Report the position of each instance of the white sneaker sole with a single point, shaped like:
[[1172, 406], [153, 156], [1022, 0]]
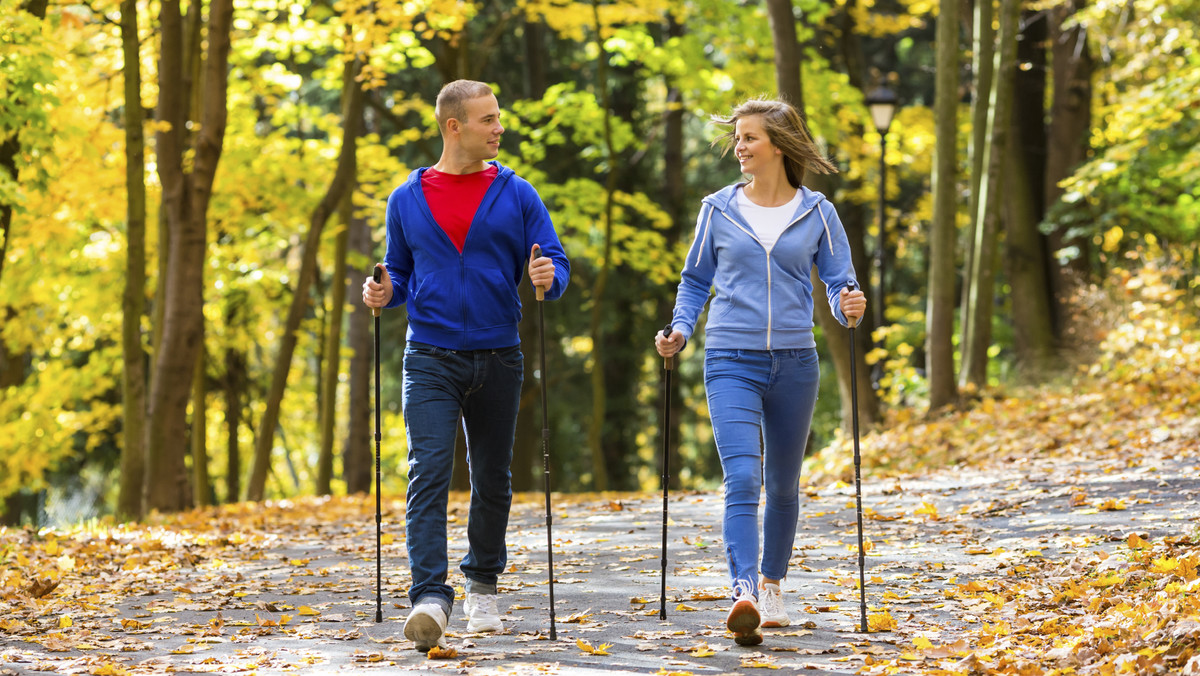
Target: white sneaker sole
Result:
[[423, 630], [484, 626]]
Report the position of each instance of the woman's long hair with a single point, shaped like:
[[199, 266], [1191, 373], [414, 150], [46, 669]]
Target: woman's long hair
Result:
[[786, 130]]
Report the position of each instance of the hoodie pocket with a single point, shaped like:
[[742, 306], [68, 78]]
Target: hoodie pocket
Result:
[[491, 299], [437, 300]]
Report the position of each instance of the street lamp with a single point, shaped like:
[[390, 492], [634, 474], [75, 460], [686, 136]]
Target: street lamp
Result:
[[882, 104]]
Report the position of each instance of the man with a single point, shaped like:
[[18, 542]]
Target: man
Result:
[[459, 234]]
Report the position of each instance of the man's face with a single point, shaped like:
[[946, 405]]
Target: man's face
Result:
[[480, 130]]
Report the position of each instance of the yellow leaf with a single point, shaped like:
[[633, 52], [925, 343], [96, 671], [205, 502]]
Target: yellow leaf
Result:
[[307, 611], [589, 649], [439, 653], [578, 617], [1135, 541], [922, 643], [1109, 580], [758, 664], [1113, 505], [702, 652], [881, 622], [1164, 565], [928, 509], [685, 608], [65, 622]]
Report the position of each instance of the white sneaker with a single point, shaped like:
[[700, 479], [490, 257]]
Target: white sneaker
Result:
[[743, 619], [770, 606], [425, 626], [482, 615]]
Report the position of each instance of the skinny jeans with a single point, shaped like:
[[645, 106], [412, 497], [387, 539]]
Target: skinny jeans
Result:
[[770, 393], [482, 388]]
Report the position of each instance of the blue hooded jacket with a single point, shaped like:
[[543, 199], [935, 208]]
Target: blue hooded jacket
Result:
[[468, 300], [763, 300]]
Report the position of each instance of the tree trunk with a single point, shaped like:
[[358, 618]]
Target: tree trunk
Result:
[[787, 52], [235, 378], [337, 295], [1070, 124], [597, 328], [342, 179], [983, 50], [185, 200], [358, 456], [200, 479], [993, 114], [1025, 257], [133, 301], [939, 346]]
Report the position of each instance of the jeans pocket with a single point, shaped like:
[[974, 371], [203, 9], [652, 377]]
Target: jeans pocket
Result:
[[713, 355], [512, 357], [426, 350]]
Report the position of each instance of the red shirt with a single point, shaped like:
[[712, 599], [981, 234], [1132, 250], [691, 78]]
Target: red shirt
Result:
[[454, 199]]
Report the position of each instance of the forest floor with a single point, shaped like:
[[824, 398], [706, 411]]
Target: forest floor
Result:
[[1050, 531], [1061, 562]]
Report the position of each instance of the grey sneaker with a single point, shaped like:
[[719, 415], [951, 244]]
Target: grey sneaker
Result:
[[770, 606], [425, 626], [482, 615]]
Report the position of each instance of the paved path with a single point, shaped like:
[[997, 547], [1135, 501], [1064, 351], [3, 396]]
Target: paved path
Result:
[[927, 535]]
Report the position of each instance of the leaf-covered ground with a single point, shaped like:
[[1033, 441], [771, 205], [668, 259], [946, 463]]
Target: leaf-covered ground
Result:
[[1053, 531]]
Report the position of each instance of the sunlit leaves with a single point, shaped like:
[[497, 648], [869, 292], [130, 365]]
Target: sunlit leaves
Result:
[[601, 649]]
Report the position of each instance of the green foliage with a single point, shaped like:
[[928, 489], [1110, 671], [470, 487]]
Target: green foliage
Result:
[[1145, 166], [27, 97]]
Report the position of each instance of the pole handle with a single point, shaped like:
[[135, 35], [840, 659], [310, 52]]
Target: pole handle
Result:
[[668, 362], [851, 321], [539, 291], [377, 277]]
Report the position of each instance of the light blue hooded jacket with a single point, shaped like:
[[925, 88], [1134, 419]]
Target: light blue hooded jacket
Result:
[[764, 301]]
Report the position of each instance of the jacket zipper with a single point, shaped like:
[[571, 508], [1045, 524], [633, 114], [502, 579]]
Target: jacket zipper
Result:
[[770, 294]]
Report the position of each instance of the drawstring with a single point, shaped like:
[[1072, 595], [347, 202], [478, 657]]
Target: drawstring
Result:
[[704, 236], [827, 235]]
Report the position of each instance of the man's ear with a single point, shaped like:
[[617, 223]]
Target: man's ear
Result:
[[453, 125]]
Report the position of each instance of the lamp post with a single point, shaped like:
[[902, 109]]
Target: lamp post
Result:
[[882, 104]]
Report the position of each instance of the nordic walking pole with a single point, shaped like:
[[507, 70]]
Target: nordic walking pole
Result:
[[541, 299], [668, 365], [377, 275], [862, 582]]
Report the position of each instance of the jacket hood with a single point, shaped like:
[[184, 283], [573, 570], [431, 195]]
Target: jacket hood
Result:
[[414, 177], [725, 199]]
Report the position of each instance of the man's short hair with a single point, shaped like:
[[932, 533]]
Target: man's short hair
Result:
[[451, 101]]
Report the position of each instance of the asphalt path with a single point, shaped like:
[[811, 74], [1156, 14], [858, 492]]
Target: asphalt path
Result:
[[926, 535]]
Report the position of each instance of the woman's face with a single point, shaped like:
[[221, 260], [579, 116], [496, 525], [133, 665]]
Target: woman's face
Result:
[[755, 152]]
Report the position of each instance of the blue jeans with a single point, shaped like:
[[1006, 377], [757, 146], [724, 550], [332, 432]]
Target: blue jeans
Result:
[[772, 393], [483, 388]]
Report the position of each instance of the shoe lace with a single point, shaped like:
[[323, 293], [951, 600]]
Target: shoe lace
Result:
[[743, 589], [771, 601], [485, 604]]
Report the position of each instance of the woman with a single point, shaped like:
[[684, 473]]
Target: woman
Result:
[[755, 244]]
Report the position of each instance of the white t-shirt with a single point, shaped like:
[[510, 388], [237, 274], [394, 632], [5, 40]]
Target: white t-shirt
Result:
[[768, 222]]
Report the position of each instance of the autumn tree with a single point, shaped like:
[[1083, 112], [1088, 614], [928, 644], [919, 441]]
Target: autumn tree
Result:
[[940, 313], [186, 196]]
